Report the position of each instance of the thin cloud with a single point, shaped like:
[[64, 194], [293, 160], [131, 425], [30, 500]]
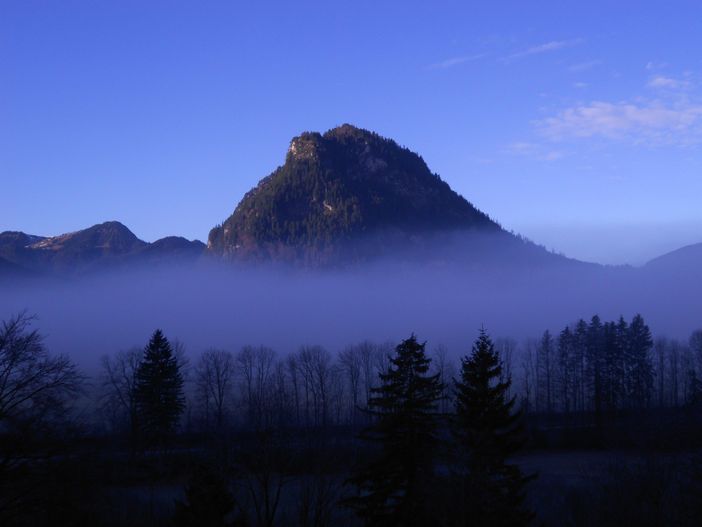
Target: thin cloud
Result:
[[655, 122], [651, 65], [546, 47], [455, 61], [535, 151], [584, 66], [659, 81]]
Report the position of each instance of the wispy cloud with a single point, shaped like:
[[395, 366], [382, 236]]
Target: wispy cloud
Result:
[[584, 66], [659, 81], [651, 65], [653, 122], [455, 61], [546, 47], [535, 151]]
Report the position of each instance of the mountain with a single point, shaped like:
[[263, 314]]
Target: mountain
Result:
[[98, 247], [346, 194], [344, 197], [171, 248], [688, 258]]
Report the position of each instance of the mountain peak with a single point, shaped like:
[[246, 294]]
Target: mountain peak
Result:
[[306, 146], [336, 189], [98, 247], [347, 130], [110, 236], [311, 145]]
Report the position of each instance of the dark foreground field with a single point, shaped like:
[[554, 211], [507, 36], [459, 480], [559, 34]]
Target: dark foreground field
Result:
[[584, 477]]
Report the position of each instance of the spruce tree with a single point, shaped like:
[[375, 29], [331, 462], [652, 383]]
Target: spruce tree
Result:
[[619, 366], [158, 390], [487, 431], [580, 338], [567, 368], [544, 369], [594, 360], [392, 489], [640, 378], [610, 373]]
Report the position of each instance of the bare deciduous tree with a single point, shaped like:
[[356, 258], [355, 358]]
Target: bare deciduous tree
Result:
[[283, 403], [369, 376], [255, 368], [293, 370], [315, 364], [530, 375], [442, 365], [35, 388], [34, 384], [350, 362], [118, 380], [214, 379]]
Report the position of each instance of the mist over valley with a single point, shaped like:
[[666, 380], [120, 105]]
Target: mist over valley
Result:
[[352, 239]]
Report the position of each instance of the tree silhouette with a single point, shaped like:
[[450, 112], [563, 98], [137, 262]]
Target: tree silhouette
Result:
[[640, 375], [545, 367], [214, 377], [595, 367], [118, 379], [392, 489], [159, 390], [36, 389], [487, 431]]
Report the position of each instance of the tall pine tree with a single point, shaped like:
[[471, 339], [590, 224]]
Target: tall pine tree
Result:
[[594, 358], [640, 375], [487, 431], [544, 371], [158, 391], [580, 360], [392, 489], [567, 369]]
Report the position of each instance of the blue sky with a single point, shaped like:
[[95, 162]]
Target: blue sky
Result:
[[577, 124]]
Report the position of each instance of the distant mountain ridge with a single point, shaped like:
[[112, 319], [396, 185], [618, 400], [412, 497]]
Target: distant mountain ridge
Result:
[[98, 247], [341, 198], [685, 258], [345, 194]]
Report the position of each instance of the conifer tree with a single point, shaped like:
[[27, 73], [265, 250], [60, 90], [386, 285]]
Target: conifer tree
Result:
[[392, 489], [487, 431], [594, 359], [580, 359], [610, 374], [567, 368], [544, 368], [619, 366], [159, 390], [640, 343]]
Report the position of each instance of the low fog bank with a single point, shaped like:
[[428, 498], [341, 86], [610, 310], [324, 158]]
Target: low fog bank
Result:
[[214, 306]]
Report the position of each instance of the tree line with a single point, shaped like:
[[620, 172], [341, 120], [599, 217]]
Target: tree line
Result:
[[605, 367], [393, 434]]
